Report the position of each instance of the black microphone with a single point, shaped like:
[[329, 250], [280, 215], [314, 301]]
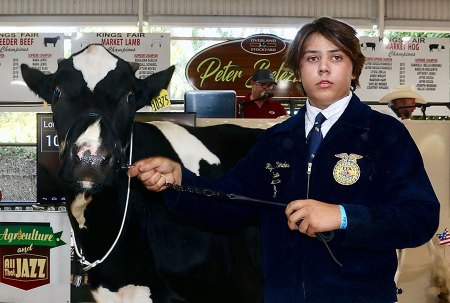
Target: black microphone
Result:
[[422, 105], [396, 110], [242, 104], [392, 106], [264, 96]]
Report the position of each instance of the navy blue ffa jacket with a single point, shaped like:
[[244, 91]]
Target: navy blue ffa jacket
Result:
[[368, 163]]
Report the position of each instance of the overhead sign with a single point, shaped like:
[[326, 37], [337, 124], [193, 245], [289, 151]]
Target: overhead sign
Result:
[[229, 65], [37, 50], [422, 62], [151, 51]]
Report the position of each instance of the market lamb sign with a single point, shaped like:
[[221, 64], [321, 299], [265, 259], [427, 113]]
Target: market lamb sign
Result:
[[230, 65]]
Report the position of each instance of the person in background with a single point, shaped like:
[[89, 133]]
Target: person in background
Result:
[[349, 184], [403, 100], [258, 103]]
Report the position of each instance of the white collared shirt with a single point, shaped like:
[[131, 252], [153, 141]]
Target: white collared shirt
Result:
[[332, 113]]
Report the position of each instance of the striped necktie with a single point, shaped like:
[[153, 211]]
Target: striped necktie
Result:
[[315, 137]]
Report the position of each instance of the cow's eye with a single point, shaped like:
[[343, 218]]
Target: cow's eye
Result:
[[57, 93], [130, 97]]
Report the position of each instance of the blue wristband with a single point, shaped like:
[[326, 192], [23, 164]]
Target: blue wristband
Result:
[[344, 218]]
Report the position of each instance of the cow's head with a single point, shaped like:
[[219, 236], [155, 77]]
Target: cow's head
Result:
[[94, 96]]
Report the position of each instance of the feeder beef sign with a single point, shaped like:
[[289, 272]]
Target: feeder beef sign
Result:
[[38, 50], [231, 64]]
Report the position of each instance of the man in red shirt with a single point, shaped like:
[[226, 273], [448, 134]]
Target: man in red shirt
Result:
[[262, 83]]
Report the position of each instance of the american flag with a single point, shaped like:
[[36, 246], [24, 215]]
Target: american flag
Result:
[[444, 238]]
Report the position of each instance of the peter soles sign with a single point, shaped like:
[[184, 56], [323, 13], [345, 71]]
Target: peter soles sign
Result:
[[231, 64], [34, 257]]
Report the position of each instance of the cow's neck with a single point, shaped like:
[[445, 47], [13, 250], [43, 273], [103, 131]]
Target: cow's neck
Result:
[[101, 215]]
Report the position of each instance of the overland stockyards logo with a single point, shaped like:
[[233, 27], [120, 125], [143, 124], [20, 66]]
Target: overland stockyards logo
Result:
[[25, 254], [263, 45]]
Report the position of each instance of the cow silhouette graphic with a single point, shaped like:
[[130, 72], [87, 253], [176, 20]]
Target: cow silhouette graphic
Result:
[[51, 40], [371, 45], [436, 46]]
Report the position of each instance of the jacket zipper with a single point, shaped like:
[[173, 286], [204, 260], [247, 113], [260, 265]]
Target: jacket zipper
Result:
[[308, 172]]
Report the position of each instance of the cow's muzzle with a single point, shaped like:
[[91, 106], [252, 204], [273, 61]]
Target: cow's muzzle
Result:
[[92, 154]]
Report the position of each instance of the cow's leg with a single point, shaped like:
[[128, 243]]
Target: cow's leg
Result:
[[126, 294]]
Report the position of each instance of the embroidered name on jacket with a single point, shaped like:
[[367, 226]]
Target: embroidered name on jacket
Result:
[[276, 178], [346, 171]]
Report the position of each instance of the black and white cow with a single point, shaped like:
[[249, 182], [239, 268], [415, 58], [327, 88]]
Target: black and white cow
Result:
[[159, 256]]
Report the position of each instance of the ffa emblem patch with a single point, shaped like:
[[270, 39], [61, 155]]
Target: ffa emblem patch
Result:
[[346, 171]]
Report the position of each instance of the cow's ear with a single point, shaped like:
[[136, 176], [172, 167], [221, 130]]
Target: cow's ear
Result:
[[134, 66], [153, 84], [38, 82]]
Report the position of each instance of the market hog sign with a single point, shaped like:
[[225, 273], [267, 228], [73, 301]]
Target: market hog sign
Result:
[[25, 253], [231, 64]]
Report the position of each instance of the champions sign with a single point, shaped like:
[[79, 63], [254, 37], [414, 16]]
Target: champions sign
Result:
[[25, 254], [230, 65]]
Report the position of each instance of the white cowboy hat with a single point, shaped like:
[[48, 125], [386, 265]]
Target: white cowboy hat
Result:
[[403, 91]]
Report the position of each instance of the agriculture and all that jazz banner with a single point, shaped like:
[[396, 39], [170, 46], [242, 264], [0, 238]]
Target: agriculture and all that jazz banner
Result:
[[34, 257]]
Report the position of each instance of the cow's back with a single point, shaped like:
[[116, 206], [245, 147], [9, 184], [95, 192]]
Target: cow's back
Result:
[[196, 262]]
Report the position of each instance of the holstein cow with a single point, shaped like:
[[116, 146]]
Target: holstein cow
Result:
[[159, 256]]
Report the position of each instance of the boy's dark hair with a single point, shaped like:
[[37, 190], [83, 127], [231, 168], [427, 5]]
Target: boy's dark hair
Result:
[[337, 32]]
